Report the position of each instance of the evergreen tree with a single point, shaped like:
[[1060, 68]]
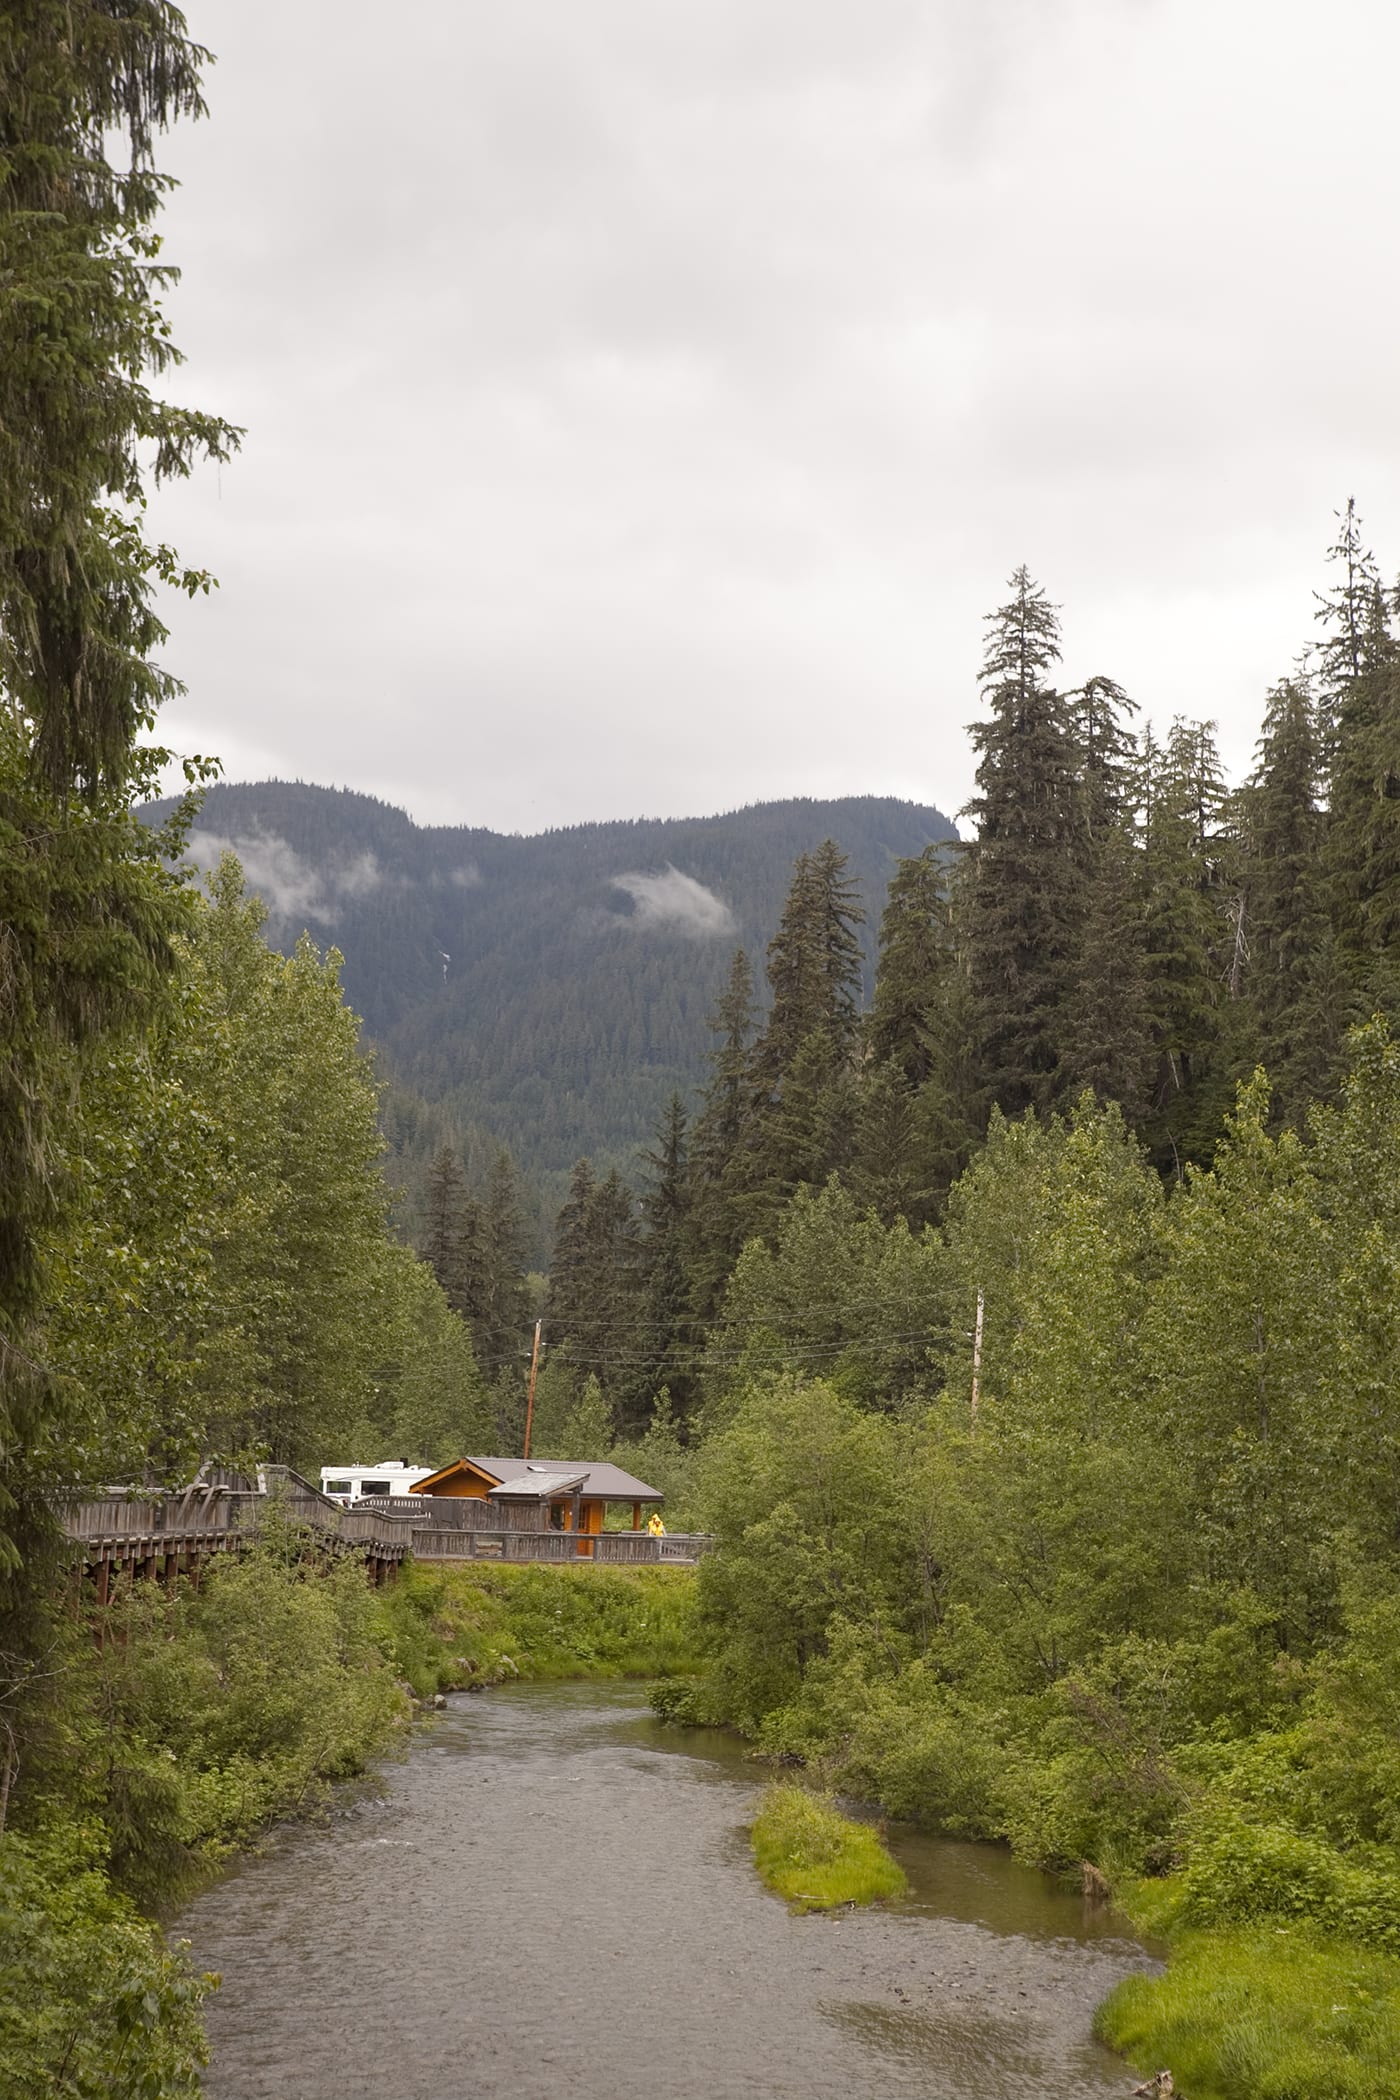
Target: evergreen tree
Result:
[[502, 1315], [81, 329], [814, 967], [803, 1063], [915, 961], [1292, 991], [593, 1308], [566, 1301], [1191, 935], [445, 1227], [667, 1323], [1108, 754], [722, 1127], [890, 1171], [1359, 687], [915, 1123], [1356, 644], [1108, 1035], [1024, 894]]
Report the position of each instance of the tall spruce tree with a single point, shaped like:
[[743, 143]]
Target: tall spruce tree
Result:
[[1109, 757], [593, 1310], [803, 1063], [667, 1327], [1108, 1037], [502, 1314], [445, 1229], [915, 962], [1191, 935], [566, 1300], [1025, 890], [1291, 966], [915, 1124], [1358, 675], [814, 967], [1355, 642], [722, 1128]]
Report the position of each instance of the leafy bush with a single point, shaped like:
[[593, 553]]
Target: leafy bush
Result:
[[197, 1717], [817, 1858], [1240, 1872], [93, 2004]]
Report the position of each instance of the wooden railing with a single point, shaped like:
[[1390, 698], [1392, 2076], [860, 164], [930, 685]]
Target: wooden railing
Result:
[[203, 1520], [157, 1532], [686, 1545], [606, 1548]]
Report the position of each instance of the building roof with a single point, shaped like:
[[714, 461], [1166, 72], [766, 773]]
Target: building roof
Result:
[[599, 1483], [537, 1484]]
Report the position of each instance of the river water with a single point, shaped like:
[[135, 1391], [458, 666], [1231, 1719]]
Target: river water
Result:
[[553, 1896]]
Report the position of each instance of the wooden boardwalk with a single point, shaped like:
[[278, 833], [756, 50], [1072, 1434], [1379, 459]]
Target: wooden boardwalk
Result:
[[158, 1536]]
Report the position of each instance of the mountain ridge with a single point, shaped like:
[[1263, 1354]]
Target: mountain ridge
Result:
[[546, 990]]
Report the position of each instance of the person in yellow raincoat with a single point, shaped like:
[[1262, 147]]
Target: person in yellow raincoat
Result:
[[655, 1526]]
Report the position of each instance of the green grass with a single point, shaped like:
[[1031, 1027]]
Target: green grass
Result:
[[1265, 2013], [807, 1851], [450, 1627]]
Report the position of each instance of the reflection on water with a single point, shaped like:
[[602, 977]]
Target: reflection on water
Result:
[[553, 1895]]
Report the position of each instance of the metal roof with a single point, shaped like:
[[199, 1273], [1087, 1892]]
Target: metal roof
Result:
[[601, 1483], [537, 1484]]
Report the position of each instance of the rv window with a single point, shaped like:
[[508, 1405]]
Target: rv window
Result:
[[374, 1487], [338, 1487]]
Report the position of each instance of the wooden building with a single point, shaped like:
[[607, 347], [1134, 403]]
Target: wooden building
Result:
[[543, 1494]]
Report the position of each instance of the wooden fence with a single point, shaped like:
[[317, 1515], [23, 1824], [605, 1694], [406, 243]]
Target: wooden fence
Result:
[[164, 1535], [571, 1548]]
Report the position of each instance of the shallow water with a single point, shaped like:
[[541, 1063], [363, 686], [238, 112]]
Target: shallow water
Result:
[[554, 1897]]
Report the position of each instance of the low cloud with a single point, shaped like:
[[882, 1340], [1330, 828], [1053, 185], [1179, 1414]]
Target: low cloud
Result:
[[675, 903], [291, 886]]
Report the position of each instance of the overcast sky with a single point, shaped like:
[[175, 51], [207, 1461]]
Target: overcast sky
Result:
[[647, 398]]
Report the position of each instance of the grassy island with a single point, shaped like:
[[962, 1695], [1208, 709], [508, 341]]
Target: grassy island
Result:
[[808, 1852]]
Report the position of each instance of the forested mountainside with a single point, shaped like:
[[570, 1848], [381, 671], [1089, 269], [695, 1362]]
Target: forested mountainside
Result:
[[545, 993]]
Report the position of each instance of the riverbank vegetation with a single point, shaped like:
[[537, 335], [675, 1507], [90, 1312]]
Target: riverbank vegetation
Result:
[[1265, 2015], [1132, 1600], [191, 1720], [180, 1725], [817, 1858], [455, 1627]]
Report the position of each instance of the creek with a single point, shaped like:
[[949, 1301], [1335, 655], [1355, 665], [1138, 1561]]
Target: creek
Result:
[[552, 1896]]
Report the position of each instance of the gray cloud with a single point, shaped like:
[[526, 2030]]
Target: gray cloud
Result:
[[645, 402], [675, 903], [291, 886]]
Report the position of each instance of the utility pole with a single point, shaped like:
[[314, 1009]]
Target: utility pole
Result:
[[976, 1359], [530, 1396]]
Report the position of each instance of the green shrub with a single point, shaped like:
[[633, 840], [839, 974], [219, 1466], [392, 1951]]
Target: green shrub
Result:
[[817, 1858], [194, 1718], [93, 2004], [1243, 1872]]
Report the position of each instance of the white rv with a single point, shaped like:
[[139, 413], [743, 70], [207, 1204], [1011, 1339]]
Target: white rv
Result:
[[346, 1484]]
